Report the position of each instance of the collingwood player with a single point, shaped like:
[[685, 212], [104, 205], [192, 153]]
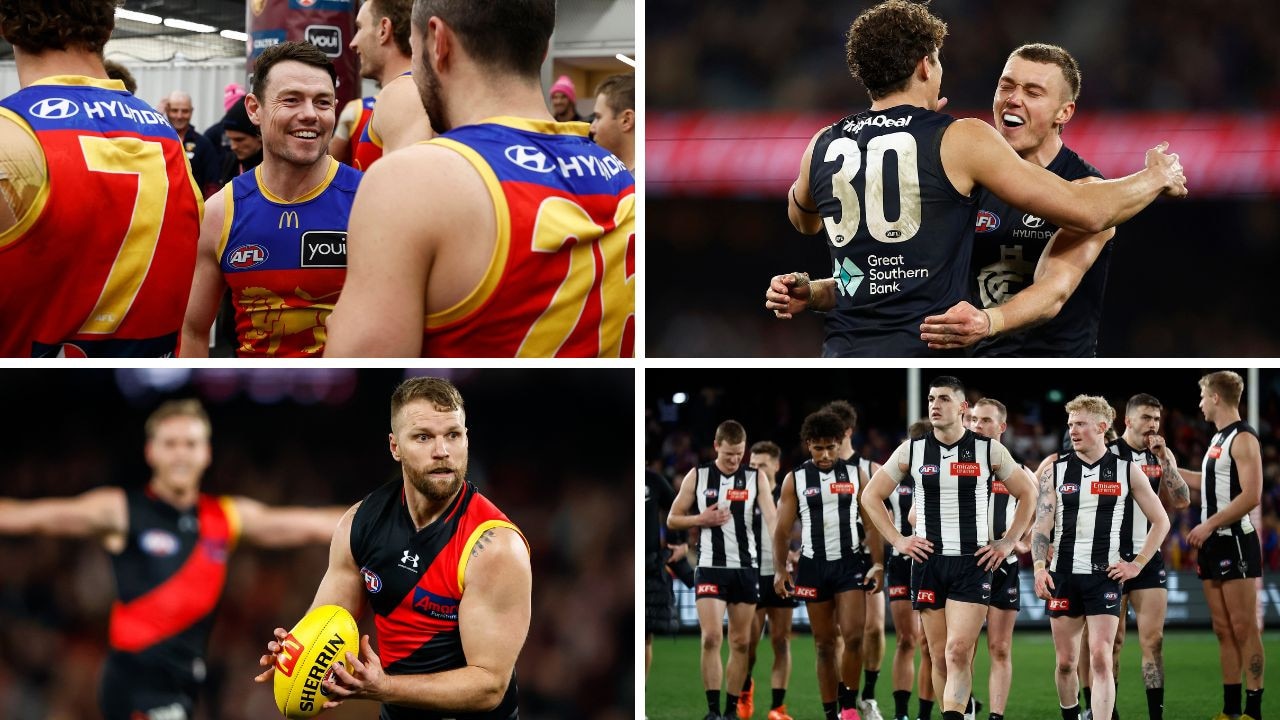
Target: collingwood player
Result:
[[826, 494], [1230, 485], [766, 459], [953, 469], [893, 189], [1142, 445], [1058, 314], [1081, 506], [716, 498]]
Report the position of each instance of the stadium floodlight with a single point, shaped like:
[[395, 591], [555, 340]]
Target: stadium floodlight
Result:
[[187, 25], [138, 16], [234, 35], [679, 398]]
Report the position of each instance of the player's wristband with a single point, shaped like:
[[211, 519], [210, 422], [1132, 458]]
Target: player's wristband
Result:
[[1039, 565], [796, 200], [995, 321], [1141, 560]]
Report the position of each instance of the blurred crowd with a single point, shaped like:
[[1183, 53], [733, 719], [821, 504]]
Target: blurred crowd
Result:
[[1133, 54], [57, 594]]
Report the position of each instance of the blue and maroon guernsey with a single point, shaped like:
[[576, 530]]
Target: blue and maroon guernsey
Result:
[[101, 262], [169, 579], [561, 280], [285, 262], [414, 583]]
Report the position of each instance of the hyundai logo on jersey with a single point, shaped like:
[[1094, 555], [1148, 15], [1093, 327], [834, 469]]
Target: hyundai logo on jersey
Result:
[[529, 158], [54, 109]]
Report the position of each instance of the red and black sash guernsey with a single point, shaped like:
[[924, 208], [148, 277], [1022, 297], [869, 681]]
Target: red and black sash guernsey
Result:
[[169, 578], [414, 580]]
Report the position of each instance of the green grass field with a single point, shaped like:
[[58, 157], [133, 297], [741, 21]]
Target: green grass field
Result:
[[1193, 685]]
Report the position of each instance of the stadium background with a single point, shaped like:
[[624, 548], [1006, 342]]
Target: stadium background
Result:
[[737, 89], [683, 408], [318, 437]]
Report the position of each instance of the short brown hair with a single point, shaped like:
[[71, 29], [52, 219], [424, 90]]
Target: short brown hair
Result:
[[767, 447], [1142, 400], [885, 43], [189, 407], [399, 13], [1094, 404], [296, 50], [731, 431], [116, 71], [510, 35], [919, 429], [1225, 383], [843, 410], [999, 406], [35, 26], [619, 92], [1053, 55], [822, 425], [441, 393]]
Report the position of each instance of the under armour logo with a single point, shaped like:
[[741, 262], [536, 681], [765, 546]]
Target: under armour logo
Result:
[[407, 558], [529, 158], [54, 109]]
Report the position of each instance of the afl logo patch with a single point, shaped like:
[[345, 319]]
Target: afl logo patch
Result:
[[529, 158], [904, 490], [1110, 596], [372, 582], [928, 469], [1070, 488], [54, 109], [986, 222], [711, 493], [1032, 221], [811, 491], [247, 256], [158, 543]]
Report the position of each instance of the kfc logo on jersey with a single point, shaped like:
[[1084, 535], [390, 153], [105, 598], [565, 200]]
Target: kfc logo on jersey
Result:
[[897, 591], [54, 109], [158, 543], [925, 596], [806, 593], [737, 495], [811, 491], [1215, 452], [1059, 604], [928, 469], [529, 158], [707, 589], [1032, 221], [986, 222], [966, 469], [372, 582], [1069, 488], [247, 256]]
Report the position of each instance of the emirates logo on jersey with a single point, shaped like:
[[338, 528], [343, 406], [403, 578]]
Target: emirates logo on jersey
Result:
[[737, 495], [1215, 452], [999, 488]]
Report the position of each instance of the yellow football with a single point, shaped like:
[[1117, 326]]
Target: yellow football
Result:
[[307, 656]]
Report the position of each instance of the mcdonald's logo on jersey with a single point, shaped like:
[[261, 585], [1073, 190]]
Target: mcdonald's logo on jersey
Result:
[[288, 218]]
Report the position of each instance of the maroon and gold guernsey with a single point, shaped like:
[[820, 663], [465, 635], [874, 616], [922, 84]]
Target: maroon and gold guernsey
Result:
[[561, 279], [414, 581], [101, 261]]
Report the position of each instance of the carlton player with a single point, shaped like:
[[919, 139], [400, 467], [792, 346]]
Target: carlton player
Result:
[[169, 545], [954, 469], [511, 235], [277, 237], [1035, 99], [826, 494], [396, 119], [1230, 485], [446, 574], [716, 498], [900, 244], [98, 210], [1142, 445], [1081, 507]]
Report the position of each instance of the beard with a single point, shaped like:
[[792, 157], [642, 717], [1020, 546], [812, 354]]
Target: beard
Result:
[[432, 98], [434, 489]]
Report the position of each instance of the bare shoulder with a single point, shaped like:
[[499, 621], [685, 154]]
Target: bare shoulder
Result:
[[500, 555]]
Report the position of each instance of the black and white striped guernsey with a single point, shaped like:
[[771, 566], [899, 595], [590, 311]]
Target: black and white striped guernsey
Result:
[[1002, 509], [1220, 483], [828, 506], [899, 502], [865, 465], [953, 484], [764, 543], [1134, 526], [732, 545], [1090, 509]]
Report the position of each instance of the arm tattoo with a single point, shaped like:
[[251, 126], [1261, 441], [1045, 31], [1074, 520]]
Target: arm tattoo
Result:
[[1173, 481], [486, 537], [1045, 505], [1039, 547]]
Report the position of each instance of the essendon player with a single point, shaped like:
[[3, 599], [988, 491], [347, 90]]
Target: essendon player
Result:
[[954, 470], [893, 189], [1142, 445], [1230, 485], [169, 544], [717, 498], [1081, 507], [510, 235], [446, 574], [98, 210], [832, 574]]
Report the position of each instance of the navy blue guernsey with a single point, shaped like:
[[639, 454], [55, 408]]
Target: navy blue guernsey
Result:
[[1007, 244], [899, 233]]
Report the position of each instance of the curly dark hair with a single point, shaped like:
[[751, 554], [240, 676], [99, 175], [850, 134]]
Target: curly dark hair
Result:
[[398, 12], [511, 35], [885, 43], [822, 425], [35, 26]]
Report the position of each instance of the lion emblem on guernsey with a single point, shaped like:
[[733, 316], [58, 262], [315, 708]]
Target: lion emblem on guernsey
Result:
[[274, 318]]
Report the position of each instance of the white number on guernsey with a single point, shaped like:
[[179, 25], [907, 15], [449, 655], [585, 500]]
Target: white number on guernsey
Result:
[[908, 222]]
